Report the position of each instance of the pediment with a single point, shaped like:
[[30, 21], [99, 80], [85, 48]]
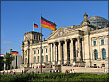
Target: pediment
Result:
[[61, 32]]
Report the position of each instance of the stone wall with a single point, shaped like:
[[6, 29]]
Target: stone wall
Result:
[[84, 70]]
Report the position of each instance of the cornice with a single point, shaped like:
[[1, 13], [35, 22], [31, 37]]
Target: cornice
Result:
[[99, 31]]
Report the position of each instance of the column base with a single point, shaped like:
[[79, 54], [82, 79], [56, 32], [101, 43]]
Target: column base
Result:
[[65, 61], [78, 59], [71, 61], [59, 62], [53, 63], [49, 62]]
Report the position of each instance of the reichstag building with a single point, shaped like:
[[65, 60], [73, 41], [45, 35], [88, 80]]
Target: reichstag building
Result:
[[85, 45]]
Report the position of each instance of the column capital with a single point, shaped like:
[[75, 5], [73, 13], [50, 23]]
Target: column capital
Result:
[[66, 40], [72, 39], [50, 43], [60, 41]]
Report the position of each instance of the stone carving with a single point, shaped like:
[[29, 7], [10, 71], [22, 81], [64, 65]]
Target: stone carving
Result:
[[62, 33]]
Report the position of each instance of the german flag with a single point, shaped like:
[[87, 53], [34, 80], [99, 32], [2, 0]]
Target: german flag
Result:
[[35, 25], [15, 53], [47, 24]]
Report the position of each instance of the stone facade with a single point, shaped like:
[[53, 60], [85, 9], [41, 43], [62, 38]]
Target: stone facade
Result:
[[84, 45]]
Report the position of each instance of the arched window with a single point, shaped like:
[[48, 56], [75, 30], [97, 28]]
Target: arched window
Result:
[[103, 54], [95, 54], [34, 59]]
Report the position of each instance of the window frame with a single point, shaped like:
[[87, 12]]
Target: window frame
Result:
[[95, 54], [46, 50], [103, 65], [102, 42], [38, 51], [42, 50], [94, 43], [103, 54]]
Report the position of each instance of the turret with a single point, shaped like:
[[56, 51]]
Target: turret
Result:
[[85, 17]]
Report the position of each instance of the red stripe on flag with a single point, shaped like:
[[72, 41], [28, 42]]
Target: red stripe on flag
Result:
[[35, 25], [14, 52], [46, 23]]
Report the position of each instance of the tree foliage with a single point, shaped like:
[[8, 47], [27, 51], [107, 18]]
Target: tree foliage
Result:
[[8, 59], [12, 67]]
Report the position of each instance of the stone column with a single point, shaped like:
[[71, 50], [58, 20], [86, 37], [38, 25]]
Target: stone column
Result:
[[59, 52], [76, 50], [28, 56], [54, 53], [71, 51], [83, 49], [79, 48], [49, 52], [65, 52], [22, 56]]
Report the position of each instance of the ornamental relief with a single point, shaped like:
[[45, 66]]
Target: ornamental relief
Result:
[[62, 33], [57, 35]]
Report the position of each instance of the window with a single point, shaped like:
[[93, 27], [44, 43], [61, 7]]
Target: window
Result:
[[34, 59], [38, 51], [102, 42], [103, 65], [34, 36], [95, 65], [46, 50], [95, 54], [94, 43], [42, 50], [46, 58], [34, 52], [42, 59], [38, 59], [103, 54]]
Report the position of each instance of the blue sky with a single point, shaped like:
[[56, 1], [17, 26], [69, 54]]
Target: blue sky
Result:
[[17, 17]]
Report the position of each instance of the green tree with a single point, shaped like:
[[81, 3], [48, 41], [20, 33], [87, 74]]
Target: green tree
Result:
[[12, 67], [8, 60], [16, 67]]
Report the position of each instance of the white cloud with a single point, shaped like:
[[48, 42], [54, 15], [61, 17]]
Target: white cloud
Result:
[[9, 42]]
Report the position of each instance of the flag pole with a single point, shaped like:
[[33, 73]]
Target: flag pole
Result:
[[16, 61], [41, 53], [33, 26]]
